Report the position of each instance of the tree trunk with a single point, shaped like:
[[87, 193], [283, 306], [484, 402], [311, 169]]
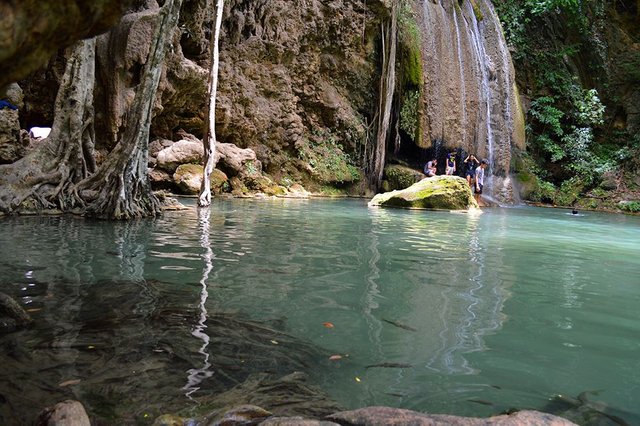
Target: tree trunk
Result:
[[120, 189], [387, 87], [47, 176], [209, 140]]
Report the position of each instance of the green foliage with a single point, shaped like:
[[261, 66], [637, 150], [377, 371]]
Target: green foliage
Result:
[[410, 47], [409, 113], [476, 10], [544, 111], [286, 181], [630, 206], [569, 192], [250, 167], [540, 7], [327, 161], [561, 130]]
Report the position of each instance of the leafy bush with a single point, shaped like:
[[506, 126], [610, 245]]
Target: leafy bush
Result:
[[328, 163], [409, 114], [630, 206]]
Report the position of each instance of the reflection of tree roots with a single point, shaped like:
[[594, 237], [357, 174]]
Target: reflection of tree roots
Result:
[[130, 343]]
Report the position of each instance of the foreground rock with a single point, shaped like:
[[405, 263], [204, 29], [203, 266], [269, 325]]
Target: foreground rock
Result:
[[65, 413], [438, 192], [382, 416]]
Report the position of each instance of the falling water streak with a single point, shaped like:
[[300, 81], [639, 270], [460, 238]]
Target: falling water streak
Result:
[[198, 375], [507, 86], [432, 64], [476, 36], [463, 88]]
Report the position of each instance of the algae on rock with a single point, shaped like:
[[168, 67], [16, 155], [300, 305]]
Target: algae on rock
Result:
[[438, 193]]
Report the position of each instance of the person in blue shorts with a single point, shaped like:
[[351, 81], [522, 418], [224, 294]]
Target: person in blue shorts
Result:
[[470, 165]]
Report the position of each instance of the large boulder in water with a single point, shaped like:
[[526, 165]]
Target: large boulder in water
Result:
[[438, 192]]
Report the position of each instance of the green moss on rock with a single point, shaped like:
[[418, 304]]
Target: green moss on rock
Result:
[[400, 177], [438, 193]]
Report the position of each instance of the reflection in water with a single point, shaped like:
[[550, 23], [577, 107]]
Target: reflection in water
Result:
[[197, 375]]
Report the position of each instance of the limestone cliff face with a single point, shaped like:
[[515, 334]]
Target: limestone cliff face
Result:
[[470, 100], [294, 75]]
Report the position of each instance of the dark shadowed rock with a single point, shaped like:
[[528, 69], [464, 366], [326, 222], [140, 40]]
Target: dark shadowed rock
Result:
[[384, 416], [31, 31]]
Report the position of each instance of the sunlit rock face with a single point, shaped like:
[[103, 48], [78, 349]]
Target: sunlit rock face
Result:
[[470, 100], [32, 30]]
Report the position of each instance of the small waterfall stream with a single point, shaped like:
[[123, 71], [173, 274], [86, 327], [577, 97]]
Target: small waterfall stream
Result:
[[469, 94]]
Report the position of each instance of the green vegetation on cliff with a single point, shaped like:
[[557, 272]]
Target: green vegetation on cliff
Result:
[[562, 50], [410, 65]]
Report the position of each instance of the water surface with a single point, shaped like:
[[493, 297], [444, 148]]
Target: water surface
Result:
[[476, 313]]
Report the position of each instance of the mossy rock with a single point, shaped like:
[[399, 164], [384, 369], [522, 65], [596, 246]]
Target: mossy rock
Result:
[[438, 193], [188, 178], [219, 181], [400, 177]]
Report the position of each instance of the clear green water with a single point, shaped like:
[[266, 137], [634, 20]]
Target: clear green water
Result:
[[508, 307]]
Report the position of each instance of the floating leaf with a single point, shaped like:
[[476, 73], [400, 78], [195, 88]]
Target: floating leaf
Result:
[[328, 324], [34, 310], [335, 357]]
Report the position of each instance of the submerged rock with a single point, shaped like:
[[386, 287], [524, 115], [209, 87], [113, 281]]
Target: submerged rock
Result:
[[65, 413], [12, 316], [438, 192], [291, 395], [382, 416], [243, 415]]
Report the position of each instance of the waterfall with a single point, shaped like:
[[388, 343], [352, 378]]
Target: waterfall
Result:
[[469, 92], [463, 86]]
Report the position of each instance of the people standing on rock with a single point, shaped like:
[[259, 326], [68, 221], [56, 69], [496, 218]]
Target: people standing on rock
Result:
[[470, 165], [479, 179], [430, 168], [450, 168]]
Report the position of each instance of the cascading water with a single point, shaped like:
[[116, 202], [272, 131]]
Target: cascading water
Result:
[[469, 94]]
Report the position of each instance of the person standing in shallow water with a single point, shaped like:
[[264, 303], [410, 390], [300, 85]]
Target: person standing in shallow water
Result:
[[479, 178], [450, 168], [470, 165]]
